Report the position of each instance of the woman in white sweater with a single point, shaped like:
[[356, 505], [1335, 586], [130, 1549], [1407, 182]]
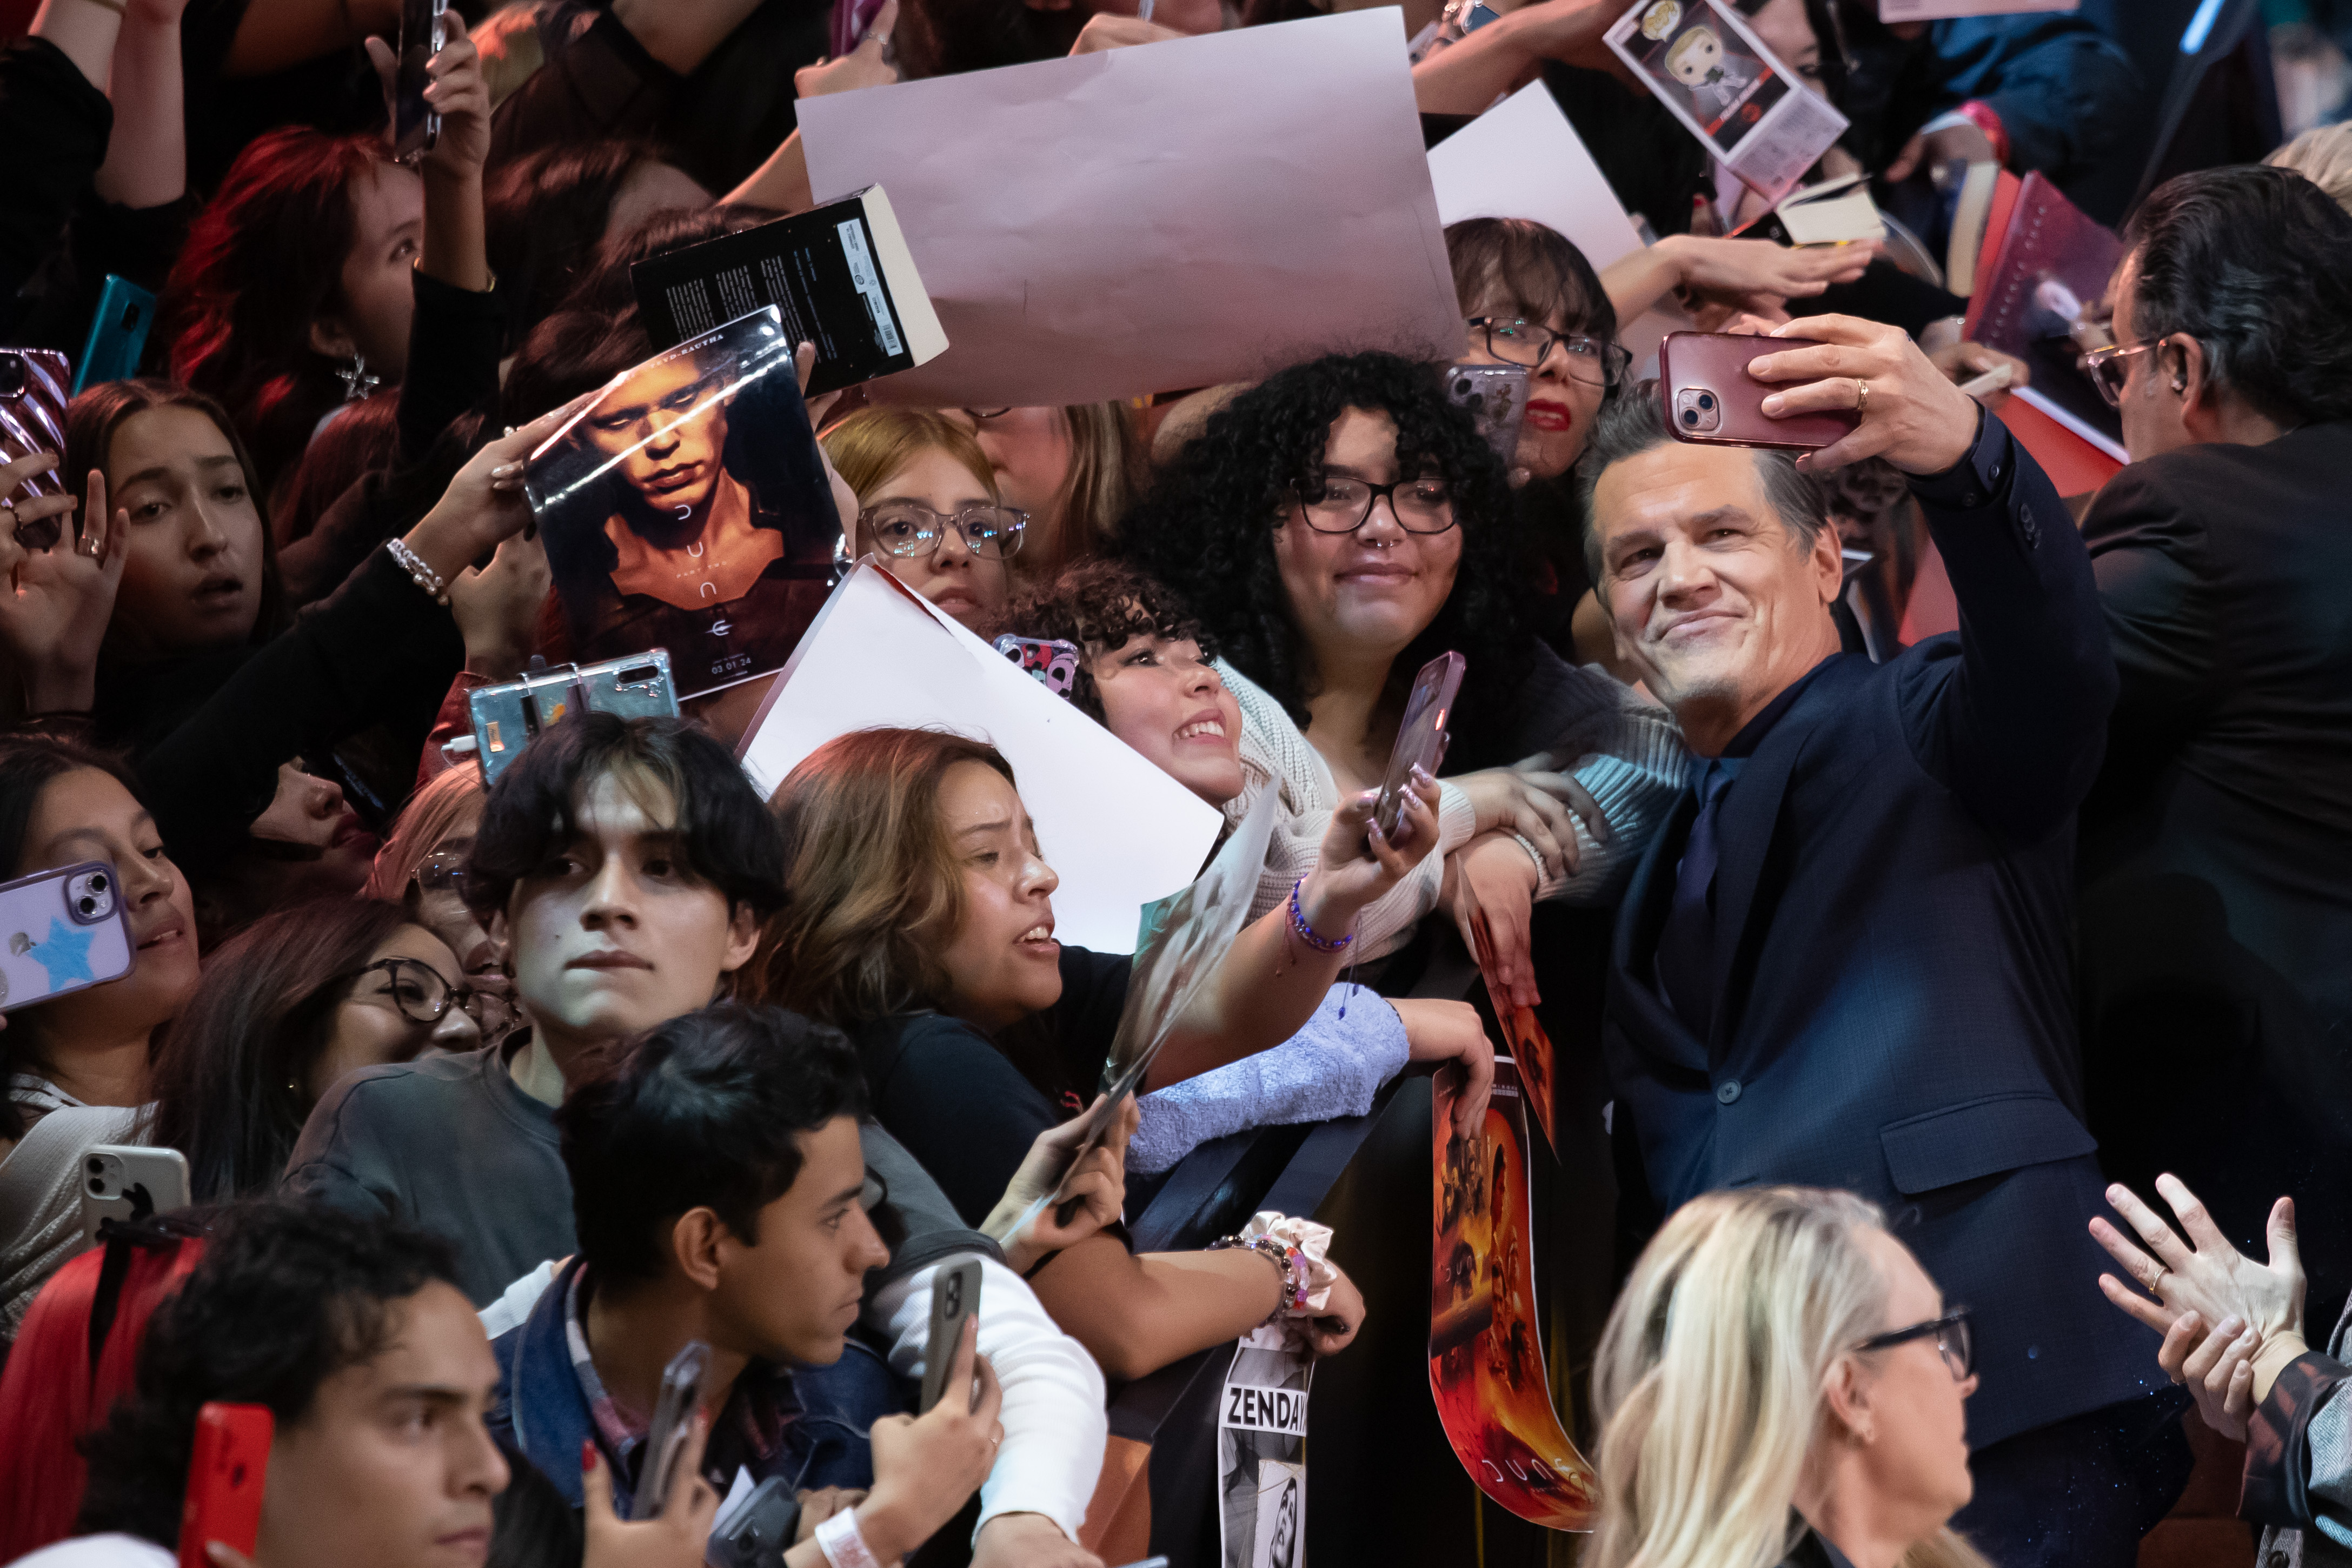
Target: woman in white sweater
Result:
[[76, 1067]]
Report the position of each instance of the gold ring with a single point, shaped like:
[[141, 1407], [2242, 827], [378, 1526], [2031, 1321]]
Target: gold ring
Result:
[[1861, 395]]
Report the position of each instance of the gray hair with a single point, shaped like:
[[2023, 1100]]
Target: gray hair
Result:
[[1636, 423]]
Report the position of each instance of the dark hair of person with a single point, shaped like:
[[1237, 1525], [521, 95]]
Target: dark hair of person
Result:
[[570, 352], [93, 417], [286, 1296], [704, 1110], [532, 1522], [264, 259], [544, 215], [1515, 267], [603, 287], [1206, 529], [946, 37], [29, 763], [231, 1080], [1099, 606], [2251, 262], [1636, 423], [724, 834], [360, 438], [877, 889]]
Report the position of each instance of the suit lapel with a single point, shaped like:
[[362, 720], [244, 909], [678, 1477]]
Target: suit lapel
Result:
[[1751, 817], [1632, 994]]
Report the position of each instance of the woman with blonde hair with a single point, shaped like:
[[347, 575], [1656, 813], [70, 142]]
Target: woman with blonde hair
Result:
[[928, 509], [1781, 1383], [1075, 469]]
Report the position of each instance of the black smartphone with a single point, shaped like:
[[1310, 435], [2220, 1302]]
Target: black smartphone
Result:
[[673, 1422], [415, 128], [955, 1296]]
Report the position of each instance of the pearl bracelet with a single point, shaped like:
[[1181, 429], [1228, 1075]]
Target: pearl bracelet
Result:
[[424, 576]]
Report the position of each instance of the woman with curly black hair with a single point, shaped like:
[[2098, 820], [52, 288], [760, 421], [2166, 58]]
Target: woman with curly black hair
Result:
[[1336, 527]]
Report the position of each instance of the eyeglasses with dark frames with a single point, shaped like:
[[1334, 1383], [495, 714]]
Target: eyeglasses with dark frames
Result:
[[2110, 368], [1422, 505], [1952, 1340], [907, 529], [422, 993], [1596, 361]]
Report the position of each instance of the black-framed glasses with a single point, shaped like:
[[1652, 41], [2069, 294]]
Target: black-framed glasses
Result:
[[907, 529], [1952, 1340], [2110, 367], [422, 993], [1596, 361], [1423, 505]]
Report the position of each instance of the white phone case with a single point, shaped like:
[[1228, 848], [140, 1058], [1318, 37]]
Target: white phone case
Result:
[[61, 931], [116, 1178]]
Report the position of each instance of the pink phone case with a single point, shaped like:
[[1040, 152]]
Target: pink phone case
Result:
[[1711, 400]]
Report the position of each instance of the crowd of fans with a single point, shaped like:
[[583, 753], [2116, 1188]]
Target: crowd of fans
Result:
[[1905, 965]]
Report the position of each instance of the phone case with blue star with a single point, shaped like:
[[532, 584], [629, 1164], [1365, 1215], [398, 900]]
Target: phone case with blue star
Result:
[[60, 931]]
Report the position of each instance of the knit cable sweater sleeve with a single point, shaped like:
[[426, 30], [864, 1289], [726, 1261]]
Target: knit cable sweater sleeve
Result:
[[1275, 753]]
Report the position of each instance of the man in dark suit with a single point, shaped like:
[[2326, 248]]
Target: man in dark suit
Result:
[[1845, 962], [2217, 847]]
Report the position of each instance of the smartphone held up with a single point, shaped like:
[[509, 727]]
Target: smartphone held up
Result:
[[1711, 400]]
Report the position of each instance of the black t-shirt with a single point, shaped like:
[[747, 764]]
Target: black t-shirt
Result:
[[968, 1106]]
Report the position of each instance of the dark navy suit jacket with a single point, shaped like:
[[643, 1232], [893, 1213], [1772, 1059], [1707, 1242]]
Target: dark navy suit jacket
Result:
[[1892, 988]]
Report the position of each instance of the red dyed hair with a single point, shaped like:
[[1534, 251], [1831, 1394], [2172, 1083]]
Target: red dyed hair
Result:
[[264, 259], [48, 1399]]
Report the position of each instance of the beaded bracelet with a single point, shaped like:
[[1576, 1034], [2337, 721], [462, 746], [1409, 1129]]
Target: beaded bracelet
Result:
[[424, 576], [1534, 854], [1288, 1261], [1307, 932]]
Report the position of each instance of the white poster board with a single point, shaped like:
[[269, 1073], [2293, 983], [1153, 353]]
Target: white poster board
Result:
[[1522, 159], [1170, 215], [1117, 831]]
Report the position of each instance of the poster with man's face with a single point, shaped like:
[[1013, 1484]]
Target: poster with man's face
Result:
[[687, 508]]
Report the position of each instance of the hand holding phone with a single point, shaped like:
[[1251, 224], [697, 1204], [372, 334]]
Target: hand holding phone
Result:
[[223, 1501], [1900, 406], [955, 1299], [667, 1435], [1421, 737], [1711, 400]]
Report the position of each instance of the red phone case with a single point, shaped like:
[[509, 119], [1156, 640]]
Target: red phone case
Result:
[[1693, 366], [224, 1479]]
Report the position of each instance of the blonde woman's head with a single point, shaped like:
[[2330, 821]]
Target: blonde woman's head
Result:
[[1737, 1405], [916, 473], [2323, 155]]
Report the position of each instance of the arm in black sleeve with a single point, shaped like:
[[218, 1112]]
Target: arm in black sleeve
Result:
[[55, 125], [453, 360], [2064, 93], [2156, 587], [378, 506], [2018, 728], [377, 643], [602, 84]]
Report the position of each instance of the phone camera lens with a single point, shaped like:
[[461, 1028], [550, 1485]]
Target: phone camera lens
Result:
[[1690, 415], [87, 905], [1706, 400], [13, 377], [97, 1165], [98, 882], [98, 1186]]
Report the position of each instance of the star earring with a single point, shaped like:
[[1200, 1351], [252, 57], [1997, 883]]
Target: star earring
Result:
[[357, 382]]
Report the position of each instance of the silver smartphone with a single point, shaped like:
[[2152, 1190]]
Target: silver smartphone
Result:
[[955, 1296], [126, 1181], [507, 716], [673, 1422], [61, 931]]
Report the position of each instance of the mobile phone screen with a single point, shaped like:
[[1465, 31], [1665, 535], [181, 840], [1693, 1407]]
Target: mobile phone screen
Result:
[[1420, 737], [414, 128]]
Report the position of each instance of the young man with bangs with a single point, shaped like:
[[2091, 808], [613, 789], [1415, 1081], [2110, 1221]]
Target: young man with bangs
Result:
[[624, 868]]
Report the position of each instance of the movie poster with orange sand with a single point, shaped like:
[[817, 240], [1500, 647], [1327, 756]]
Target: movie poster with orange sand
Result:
[[1522, 1031], [1486, 1355]]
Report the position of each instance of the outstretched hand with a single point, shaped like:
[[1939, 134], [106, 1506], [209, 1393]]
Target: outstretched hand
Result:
[[2207, 1276], [55, 601]]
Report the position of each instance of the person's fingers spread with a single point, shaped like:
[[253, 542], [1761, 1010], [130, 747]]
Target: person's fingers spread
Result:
[[2199, 1226], [2158, 1236], [2138, 1306]]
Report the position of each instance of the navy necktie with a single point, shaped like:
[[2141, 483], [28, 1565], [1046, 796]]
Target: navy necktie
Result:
[[1686, 942]]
